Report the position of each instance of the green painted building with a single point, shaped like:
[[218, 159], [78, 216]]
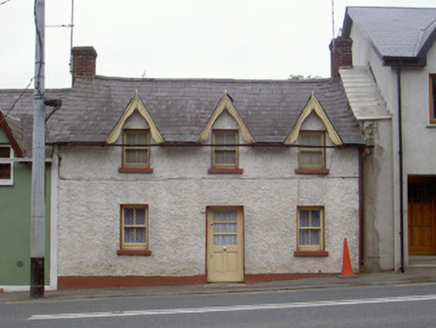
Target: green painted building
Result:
[[15, 200]]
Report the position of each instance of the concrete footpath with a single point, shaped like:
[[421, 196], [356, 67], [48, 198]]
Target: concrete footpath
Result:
[[410, 276]]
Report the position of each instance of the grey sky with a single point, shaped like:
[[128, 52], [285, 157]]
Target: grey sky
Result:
[[246, 39]]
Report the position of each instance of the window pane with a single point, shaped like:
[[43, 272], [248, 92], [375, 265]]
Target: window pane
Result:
[[304, 158], [314, 237], [315, 140], [129, 235], [219, 157], [315, 158], [426, 196], [219, 138], [128, 216], [140, 216], [131, 138], [224, 227], [225, 157], [417, 193], [304, 237], [230, 157], [142, 138], [305, 139], [140, 235], [230, 138], [315, 218], [224, 240], [230, 216], [5, 152], [304, 218], [131, 156], [5, 171], [141, 156]]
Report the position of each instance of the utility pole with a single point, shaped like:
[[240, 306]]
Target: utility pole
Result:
[[37, 220]]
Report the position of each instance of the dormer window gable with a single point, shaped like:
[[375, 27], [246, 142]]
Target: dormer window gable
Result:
[[225, 105], [11, 127], [135, 105], [313, 106]]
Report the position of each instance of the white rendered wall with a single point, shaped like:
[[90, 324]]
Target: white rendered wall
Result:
[[178, 191]]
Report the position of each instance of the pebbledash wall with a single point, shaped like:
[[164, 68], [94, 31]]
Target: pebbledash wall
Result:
[[90, 192]]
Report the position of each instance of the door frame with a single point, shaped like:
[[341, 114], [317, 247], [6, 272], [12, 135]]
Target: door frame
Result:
[[238, 208]]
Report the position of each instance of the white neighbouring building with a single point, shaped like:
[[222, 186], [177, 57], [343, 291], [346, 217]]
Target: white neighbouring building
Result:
[[391, 86]]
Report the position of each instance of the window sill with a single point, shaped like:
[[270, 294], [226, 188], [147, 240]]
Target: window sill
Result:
[[225, 171], [137, 252], [312, 171], [135, 170], [431, 126], [311, 254], [6, 183]]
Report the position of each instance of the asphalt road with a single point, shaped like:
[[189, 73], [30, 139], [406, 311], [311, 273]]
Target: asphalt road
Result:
[[378, 306]]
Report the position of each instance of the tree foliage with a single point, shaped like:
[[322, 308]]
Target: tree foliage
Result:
[[293, 77]]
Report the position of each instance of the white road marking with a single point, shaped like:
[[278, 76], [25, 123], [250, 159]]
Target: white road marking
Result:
[[233, 308]]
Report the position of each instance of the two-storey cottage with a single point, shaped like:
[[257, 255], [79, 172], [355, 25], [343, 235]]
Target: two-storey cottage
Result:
[[160, 181], [183, 181]]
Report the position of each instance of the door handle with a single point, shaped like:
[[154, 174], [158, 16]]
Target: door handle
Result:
[[224, 248]]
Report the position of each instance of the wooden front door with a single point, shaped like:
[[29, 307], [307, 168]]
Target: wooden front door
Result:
[[225, 245], [421, 218]]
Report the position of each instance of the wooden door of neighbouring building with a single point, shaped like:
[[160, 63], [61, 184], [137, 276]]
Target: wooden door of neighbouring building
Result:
[[421, 217], [225, 251]]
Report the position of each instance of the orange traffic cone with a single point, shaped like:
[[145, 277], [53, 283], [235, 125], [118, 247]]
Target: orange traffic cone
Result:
[[347, 270]]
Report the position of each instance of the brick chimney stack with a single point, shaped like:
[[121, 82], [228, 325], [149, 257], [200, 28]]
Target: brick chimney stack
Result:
[[340, 54], [83, 63]]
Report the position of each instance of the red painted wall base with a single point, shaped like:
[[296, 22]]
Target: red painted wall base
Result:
[[76, 282], [253, 278]]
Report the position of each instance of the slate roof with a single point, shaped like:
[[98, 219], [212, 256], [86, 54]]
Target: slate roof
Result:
[[404, 34], [181, 108]]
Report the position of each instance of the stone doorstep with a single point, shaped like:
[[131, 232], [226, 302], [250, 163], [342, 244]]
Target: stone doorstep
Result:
[[422, 261]]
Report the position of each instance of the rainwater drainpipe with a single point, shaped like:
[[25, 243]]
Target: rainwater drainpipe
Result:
[[400, 166]]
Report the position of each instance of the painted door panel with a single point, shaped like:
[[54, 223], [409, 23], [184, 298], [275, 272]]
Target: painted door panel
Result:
[[225, 245], [421, 219]]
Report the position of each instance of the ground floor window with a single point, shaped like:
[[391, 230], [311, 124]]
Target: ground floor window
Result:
[[310, 224], [134, 229]]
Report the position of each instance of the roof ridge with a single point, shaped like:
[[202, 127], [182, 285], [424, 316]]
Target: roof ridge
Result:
[[217, 80]]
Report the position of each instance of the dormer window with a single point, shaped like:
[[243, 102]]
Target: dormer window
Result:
[[6, 167], [225, 152], [136, 152], [311, 155]]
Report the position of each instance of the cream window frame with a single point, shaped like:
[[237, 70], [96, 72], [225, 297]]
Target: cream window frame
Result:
[[134, 246], [321, 229], [432, 97], [126, 147], [309, 150], [8, 161], [229, 149]]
